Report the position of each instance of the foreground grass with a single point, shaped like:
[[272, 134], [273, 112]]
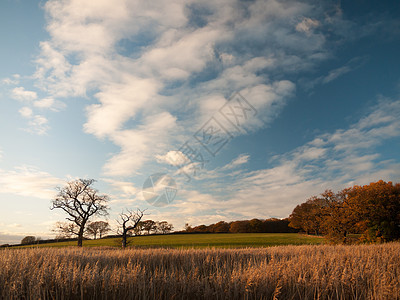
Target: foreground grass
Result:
[[223, 240], [284, 272]]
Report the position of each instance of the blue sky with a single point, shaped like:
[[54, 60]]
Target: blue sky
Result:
[[117, 90]]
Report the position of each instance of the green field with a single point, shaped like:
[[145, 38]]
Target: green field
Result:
[[223, 240]]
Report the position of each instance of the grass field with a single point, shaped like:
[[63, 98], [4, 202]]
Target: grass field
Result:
[[283, 272], [223, 240]]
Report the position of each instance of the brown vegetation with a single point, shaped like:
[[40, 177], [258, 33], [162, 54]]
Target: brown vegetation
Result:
[[245, 226], [372, 211], [290, 272]]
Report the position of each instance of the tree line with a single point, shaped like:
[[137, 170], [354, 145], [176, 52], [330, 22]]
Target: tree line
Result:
[[98, 229], [368, 213], [272, 225]]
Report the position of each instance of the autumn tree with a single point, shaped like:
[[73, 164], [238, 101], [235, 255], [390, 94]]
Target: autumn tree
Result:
[[308, 216], [372, 210], [376, 209], [338, 218], [221, 226], [128, 221], [98, 228], [80, 202], [239, 226], [255, 225]]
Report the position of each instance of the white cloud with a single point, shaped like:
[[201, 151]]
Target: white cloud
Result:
[[38, 125], [333, 74], [181, 57], [180, 67], [12, 81], [240, 160], [44, 103], [138, 144], [26, 112], [307, 25], [28, 181], [20, 93], [174, 158], [336, 73], [49, 103], [119, 103], [125, 188]]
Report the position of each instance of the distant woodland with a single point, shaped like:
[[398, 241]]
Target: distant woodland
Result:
[[254, 225]]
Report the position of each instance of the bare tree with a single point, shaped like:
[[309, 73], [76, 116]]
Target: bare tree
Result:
[[129, 220], [80, 201], [98, 228], [65, 230]]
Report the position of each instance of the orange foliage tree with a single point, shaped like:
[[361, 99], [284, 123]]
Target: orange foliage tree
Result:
[[372, 210]]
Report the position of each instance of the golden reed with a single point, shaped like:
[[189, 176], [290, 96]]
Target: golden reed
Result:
[[285, 272]]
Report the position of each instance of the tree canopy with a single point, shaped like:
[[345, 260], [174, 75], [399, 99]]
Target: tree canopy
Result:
[[372, 211]]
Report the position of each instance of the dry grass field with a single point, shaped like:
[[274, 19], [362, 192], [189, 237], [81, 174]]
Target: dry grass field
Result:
[[284, 272]]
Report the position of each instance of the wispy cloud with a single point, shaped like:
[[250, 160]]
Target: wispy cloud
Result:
[[123, 188], [307, 25], [37, 124], [49, 104], [332, 75], [240, 160], [14, 80], [179, 65], [28, 181]]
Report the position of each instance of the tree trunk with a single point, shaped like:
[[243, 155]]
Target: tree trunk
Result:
[[124, 239], [80, 234], [80, 237]]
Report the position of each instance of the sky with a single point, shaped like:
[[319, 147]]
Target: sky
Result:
[[239, 109]]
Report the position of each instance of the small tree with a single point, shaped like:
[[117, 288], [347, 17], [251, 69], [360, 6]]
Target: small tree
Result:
[[149, 225], [28, 240], [188, 227], [98, 228], [80, 201], [128, 221], [164, 227], [138, 229]]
